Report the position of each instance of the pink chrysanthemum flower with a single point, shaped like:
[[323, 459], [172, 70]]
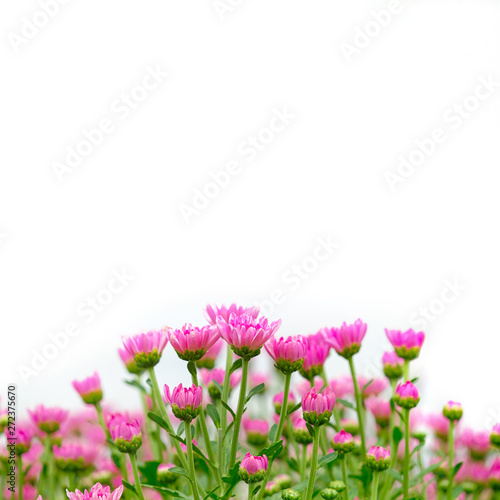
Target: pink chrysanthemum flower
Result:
[[406, 395], [288, 353], [317, 408], [89, 389], [495, 436], [126, 433], [129, 362], [246, 335], [477, 443], [210, 357], [380, 409], [212, 311], [256, 431], [342, 386], [185, 401], [317, 352], [209, 377], [23, 437], [190, 342], [347, 339], [371, 387], [300, 432], [146, 348], [343, 442], [393, 365], [74, 457], [48, 420], [97, 492], [453, 411], [406, 344], [278, 401], [164, 475], [378, 458], [253, 468]]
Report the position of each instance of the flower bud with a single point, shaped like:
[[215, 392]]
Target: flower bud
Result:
[[406, 395], [283, 481], [288, 354], [126, 434], [146, 348], [253, 468], [378, 458], [164, 475], [406, 344], [495, 436], [337, 485], [257, 431], [343, 443], [301, 432], [89, 389], [453, 411], [329, 494], [185, 401], [271, 489], [393, 365], [290, 494], [317, 408]]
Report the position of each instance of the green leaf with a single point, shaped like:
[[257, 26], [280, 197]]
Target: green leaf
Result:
[[192, 369], [346, 403], [180, 471], [148, 470], [396, 475], [327, 459], [429, 469], [272, 433], [163, 489], [213, 413], [254, 391], [418, 447], [397, 436], [137, 384], [116, 459], [293, 464], [148, 381], [300, 487], [295, 408], [458, 490], [156, 418], [272, 451], [129, 486], [228, 408], [366, 386], [232, 479], [210, 493], [457, 468], [236, 365], [310, 428], [217, 385], [180, 429], [414, 380], [229, 427]]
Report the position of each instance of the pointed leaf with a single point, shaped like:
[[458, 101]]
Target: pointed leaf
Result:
[[327, 459], [346, 403], [129, 487], [213, 413], [254, 391], [236, 365]]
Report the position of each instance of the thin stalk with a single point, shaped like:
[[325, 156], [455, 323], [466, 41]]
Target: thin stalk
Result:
[[406, 370], [206, 437], [251, 488], [406, 467], [303, 463], [314, 465], [451, 450], [155, 446], [220, 439], [279, 432], [421, 467], [50, 466], [137, 482], [359, 406], [344, 477], [239, 413], [226, 386], [192, 474], [376, 477], [164, 415], [20, 476]]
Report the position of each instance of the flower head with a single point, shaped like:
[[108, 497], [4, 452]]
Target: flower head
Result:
[[288, 353], [129, 362], [406, 344], [97, 492], [495, 436], [317, 352], [48, 420], [209, 358], [278, 401], [406, 395], [146, 348], [477, 442], [209, 377], [343, 442], [453, 411], [73, 457], [225, 312], [89, 389], [164, 475], [378, 458], [253, 468], [23, 437], [256, 431], [317, 408], [191, 343], [300, 432], [185, 401], [380, 409], [246, 335], [371, 387], [347, 339], [126, 433], [393, 365]]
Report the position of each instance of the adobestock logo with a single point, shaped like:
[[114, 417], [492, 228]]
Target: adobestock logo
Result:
[[30, 28], [86, 311]]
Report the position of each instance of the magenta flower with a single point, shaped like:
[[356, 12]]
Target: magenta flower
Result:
[[146, 348], [253, 468], [300, 432], [210, 357], [48, 420], [343, 442], [97, 492], [126, 433], [347, 339], [439, 424], [342, 386], [208, 377], [190, 342], [317, 352], [73, 457], [23, 437], [494, 475], [477, 442], [317, 408], [288, 354], [256, 431], [225, 312], [371, 387], [278, 401], [453, 411], [495, 436], [129, 362], [406, 344], [393, 365], [406, 395], [246, 335], [185, 401], [378, 458], [380, 409], [89, 389]]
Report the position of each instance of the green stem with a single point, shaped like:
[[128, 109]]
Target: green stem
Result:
[[251, 487], [192, 474], [239, 413], [20, 477], [206, 437], [164, 415], [226, 386], [359, 406], [344, 476], [422, 480], [220, 441], [279, 432], [303, 463], [314, 465], [376, 476], [155, 446], [406, 370], [451, 449], [406, 469], [137, 482]]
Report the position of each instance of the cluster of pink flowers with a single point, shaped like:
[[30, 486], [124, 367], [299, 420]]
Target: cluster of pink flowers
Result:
[[318, 439]]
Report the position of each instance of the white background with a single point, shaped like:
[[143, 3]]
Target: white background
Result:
[[323, 176]]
